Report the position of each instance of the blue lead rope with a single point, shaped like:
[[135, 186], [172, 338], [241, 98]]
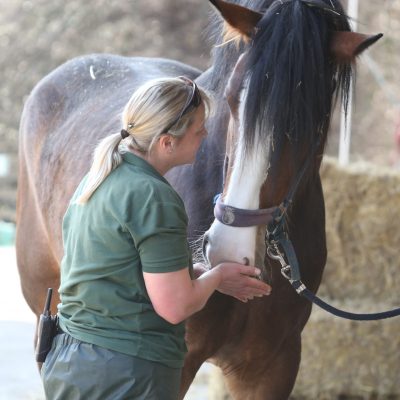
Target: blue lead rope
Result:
[[292, 273], [344, 314]]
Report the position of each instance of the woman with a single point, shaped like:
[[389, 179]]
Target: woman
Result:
[[126, 277]]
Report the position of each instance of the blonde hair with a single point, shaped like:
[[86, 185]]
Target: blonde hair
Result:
[[151, 109]]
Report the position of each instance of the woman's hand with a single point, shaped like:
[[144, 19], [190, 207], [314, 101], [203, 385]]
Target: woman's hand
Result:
[[199, 269], [240, 281]]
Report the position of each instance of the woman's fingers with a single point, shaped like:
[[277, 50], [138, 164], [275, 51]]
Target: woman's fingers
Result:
[[256, 286], [239, 281], [249, 270]]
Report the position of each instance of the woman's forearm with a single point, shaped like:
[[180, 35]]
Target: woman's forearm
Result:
[[202, 289], [175, 296]]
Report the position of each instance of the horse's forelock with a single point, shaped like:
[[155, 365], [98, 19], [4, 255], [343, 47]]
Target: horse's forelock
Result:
[[291, 74]]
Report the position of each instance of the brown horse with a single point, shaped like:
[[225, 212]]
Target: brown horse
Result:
[[280, 75]]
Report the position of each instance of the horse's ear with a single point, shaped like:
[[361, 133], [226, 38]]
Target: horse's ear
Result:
[[346, 46], [240, 18], [232, 90]]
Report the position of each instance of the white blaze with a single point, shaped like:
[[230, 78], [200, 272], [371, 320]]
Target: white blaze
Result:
[[228, 243]]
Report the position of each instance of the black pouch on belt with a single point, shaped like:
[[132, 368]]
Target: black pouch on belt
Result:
[[47, 329]]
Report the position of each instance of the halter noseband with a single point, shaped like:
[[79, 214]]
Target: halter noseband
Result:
[[241, 218]]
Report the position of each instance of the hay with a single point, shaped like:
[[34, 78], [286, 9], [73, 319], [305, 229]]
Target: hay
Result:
[[356, 359], [363, 232], [343, 359]]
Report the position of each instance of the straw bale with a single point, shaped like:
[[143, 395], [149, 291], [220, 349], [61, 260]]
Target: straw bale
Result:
[[363, 232], [346, 359]]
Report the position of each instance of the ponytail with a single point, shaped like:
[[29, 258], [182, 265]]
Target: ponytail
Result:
[[106, 158], [154, 106]]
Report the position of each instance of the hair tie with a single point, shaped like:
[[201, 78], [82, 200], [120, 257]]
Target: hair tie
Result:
[[124, 133]]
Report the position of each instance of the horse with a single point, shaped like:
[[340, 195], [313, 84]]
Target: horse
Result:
[[277, 68]]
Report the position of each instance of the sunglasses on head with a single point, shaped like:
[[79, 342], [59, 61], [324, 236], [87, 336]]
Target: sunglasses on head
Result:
[[193, 101]]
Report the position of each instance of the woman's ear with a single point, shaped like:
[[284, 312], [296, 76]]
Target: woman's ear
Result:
[[166, 143]]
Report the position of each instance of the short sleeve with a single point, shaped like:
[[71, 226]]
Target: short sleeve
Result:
[[159, 231]]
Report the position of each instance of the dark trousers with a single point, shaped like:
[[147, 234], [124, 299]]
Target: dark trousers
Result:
[[76, 370]]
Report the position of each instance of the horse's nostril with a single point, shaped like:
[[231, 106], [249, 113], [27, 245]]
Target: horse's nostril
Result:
[[204, 245]]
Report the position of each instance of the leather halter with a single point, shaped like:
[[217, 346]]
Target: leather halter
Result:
[[240, 218]]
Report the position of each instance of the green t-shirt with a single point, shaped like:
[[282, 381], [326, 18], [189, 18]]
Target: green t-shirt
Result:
[[134, 222]]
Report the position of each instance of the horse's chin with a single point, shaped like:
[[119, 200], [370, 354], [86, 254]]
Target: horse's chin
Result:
[[239, 245]]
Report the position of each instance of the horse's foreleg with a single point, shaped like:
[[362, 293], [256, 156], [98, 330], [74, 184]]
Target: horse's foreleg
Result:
[[272, 381], [193, 363]]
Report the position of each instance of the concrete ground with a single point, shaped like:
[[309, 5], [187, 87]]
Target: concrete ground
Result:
[[19, 378]]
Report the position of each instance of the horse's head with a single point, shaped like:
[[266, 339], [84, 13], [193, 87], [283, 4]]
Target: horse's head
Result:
[[297, 58]]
